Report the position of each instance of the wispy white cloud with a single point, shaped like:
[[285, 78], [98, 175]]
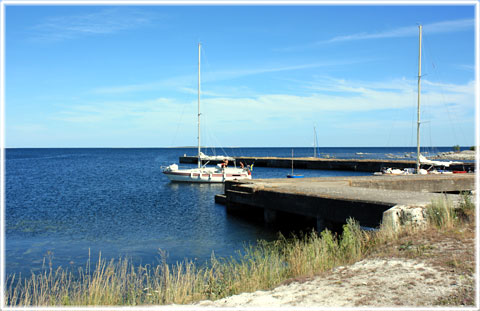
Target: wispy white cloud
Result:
[[100, 22], [129, 88], [185, 83], [407, 31], [114, 110], [325, 95], [465, 67], [236, 73], [170, 83], [340, 96], [339, 103]]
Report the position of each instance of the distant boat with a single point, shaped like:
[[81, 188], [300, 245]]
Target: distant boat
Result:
[[220, 173], [292, 175]]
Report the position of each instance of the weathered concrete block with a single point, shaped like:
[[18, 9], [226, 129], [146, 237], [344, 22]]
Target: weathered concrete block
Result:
[[403, 215]]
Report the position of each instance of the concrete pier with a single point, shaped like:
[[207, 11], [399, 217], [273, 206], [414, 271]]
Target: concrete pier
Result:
[[360, 165], [370, 200]]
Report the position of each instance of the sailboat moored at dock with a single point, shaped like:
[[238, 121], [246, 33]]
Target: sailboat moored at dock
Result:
[[220, 173]]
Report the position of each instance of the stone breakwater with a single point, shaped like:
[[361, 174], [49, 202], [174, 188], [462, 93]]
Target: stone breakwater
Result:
[[468, 155]]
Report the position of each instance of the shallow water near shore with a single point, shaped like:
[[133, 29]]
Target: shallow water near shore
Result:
[[68, 205]]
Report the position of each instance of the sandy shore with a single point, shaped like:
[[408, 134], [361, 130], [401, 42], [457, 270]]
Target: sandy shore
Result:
[[427, 268], [373, 282]]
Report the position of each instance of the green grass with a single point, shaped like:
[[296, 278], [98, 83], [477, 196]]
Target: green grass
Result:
[[119, 282], [264, 266], [442, 213]]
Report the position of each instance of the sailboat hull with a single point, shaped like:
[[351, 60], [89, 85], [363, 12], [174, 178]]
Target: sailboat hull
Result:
[[207, 175]]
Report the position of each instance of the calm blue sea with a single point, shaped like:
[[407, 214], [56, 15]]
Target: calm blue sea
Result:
[[67, 203]]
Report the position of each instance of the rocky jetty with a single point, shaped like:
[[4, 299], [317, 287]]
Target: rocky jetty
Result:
[[465, 155]]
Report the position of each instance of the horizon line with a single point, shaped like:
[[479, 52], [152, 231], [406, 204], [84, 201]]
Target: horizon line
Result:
[[230, 147]]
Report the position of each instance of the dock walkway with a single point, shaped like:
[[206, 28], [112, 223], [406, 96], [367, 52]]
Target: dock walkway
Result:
[[360, 165], [335, 199]]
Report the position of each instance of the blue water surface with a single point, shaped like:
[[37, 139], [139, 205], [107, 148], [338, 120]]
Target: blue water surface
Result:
[[72, 204]]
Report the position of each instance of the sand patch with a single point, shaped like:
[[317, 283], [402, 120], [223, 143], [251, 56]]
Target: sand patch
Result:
[[372, 282]]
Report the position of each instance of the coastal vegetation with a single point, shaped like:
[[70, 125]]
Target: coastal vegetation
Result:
[[263, 266]]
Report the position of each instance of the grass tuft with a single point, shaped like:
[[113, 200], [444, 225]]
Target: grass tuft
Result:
[[441, 214]]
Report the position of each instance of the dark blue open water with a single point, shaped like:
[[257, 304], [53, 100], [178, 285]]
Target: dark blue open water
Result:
[[116, 201]]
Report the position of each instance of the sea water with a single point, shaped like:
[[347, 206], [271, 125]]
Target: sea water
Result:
[[69, 205]]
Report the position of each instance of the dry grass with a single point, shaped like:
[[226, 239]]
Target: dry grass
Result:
[[119, 282], [448, 242], [264, 266]]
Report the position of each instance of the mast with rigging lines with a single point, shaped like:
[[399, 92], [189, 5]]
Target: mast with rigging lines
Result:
[[418, 95], [198, 122], [204, 174]]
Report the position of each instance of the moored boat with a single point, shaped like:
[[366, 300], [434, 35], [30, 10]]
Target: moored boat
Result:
[[293, 175], [217, 174], [202, 173], [421, 160]]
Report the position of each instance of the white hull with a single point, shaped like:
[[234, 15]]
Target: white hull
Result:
[[397, 172], [206, 174]]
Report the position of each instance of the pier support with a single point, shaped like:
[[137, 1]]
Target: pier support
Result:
[[269, 216], [321, 224]]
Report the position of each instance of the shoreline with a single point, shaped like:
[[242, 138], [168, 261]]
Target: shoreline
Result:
[[419, 265], [423, 268], [381, 282]]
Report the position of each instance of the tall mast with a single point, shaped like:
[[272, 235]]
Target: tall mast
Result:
[[314, 142], [198, 123], [292, 162], [418, 95]]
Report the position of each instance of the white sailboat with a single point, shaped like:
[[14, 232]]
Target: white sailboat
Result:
[[420, 158], [418, 169], [217, 174]]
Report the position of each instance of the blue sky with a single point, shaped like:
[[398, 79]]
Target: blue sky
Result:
[[126, 76]]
